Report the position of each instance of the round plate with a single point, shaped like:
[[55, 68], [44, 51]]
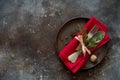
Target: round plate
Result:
[[68, 31]]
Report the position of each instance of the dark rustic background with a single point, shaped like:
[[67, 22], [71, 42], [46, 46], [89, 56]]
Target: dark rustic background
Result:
[[28, 30]]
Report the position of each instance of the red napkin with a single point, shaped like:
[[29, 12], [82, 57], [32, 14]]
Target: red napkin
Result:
[[71, 47]]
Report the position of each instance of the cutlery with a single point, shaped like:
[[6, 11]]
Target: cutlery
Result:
[[93, 31], [73, 57]]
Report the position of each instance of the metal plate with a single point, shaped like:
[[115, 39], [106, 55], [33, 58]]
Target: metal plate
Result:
[[67, 32]]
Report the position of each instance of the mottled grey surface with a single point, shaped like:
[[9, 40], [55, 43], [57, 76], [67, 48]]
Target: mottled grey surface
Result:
[[28, 30]]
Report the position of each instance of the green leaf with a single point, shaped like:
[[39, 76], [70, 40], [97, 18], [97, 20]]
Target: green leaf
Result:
[[97, 37], [79, 27]]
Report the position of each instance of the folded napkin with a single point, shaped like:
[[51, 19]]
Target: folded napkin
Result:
[[73, 44]]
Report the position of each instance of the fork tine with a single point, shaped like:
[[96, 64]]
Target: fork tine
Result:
[[95, 29], [92, 29]]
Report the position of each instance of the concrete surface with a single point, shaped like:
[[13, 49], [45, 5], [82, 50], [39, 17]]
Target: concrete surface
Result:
[[28, 30]]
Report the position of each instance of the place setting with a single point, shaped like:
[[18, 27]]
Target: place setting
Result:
[[81, 43]]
